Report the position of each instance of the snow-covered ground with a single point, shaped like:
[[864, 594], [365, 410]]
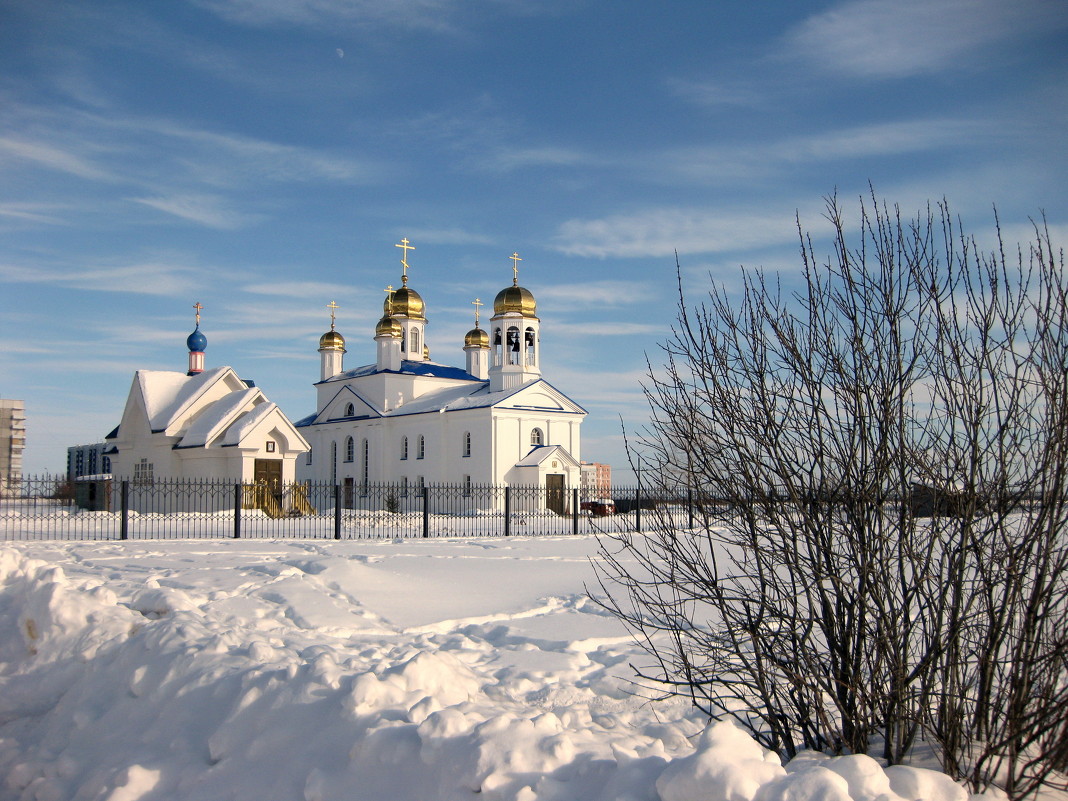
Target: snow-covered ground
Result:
[[428, 670]]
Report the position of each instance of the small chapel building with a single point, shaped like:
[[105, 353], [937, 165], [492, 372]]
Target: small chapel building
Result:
[[410, 421], [202, 424]]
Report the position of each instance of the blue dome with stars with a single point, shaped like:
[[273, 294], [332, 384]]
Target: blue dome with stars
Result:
[[197, 342]]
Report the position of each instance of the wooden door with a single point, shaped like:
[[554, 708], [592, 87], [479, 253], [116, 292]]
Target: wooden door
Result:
[[554, 493], [269, 472]]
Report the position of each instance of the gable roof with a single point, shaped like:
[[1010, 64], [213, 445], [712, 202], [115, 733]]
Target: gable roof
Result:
[[425, 369], [215, 419], [540, 453], [475, 394], [167, 395]]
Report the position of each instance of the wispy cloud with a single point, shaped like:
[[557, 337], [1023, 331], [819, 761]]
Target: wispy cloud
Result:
[[330, 14], [50, 156], [859, 142], [715, 93], [899, 38], [31, 212], [596, 293], [144, 278], [208, 210], [298, 289], [447, 236], [660, 232]]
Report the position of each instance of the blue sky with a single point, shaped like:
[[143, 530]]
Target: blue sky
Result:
[[263, 157]]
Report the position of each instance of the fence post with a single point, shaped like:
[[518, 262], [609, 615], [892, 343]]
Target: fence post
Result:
[[124, 501], [426, 511], [689, 504], [237, 511], [337, 511], [574, 511], [638, 509], [507, 511]]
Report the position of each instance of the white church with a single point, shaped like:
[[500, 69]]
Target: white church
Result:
[[204, 424], [410, 421]]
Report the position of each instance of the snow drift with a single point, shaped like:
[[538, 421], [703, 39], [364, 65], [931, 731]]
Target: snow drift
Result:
[[434, 670]]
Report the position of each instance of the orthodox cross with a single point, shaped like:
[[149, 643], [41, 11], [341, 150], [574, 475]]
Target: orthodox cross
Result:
[[515, 268], [478, 304], [198, 307], [389, 295], [404, 259], [332, 306]]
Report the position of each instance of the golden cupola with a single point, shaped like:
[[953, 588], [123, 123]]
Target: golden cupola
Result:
[[389, 327], [332, 340], [405, 302], [515, 299], [476, 338]]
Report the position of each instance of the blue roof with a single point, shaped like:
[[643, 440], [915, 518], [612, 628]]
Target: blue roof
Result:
[[431, 369]]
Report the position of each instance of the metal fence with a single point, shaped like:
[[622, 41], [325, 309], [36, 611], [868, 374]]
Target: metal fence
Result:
[[101, 508]]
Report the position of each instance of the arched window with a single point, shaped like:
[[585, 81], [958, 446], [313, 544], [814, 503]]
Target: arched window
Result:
[[529, 340], [513, 345], [350, 450], [366, 466], [414, 350], [404, 447], [467, 443], [333, 462], [497, 347], [350, 411], [421, 452], [308, 458], [536, 437]]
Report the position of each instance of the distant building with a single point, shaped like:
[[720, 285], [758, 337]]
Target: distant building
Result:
[[596, 480], [88, 460], [12, 441]]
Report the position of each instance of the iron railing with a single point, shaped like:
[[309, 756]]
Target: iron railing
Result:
[[100, 508]]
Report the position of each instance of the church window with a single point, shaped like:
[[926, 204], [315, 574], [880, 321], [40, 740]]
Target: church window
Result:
[[350, 448], [415, 343], [308, 458], [467, 486], [350, 411], [420, 482], [467, 443], [106, 464], [92, 462], [421, 452], [497, 347], [404, 448], [536, 437], [513, 345], [143, 472], [333, 462], [365, 469], [404, 487]]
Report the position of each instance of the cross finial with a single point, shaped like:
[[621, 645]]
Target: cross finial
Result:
[[478, 304], [404, 259], [389, 295], [198, 307], [333, 307], [515, 268]]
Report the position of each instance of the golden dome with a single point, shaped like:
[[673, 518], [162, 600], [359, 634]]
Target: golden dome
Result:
[[515, 299], [477, 338], [405, 302], [426, 353], [388, 327], [332, 340]]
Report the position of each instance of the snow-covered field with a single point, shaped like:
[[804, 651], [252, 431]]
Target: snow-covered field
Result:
[[428, 670]]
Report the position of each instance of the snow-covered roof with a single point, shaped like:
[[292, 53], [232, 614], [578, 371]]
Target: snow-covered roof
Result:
[[426, 369], [218, 415], [166, 393], [539, 453], [248, 423]]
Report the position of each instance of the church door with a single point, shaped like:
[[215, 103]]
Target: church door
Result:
[[269, 472], [554, 493]]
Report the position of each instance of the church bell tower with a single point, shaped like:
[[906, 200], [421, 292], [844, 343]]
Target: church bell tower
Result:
[[514, 336]]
